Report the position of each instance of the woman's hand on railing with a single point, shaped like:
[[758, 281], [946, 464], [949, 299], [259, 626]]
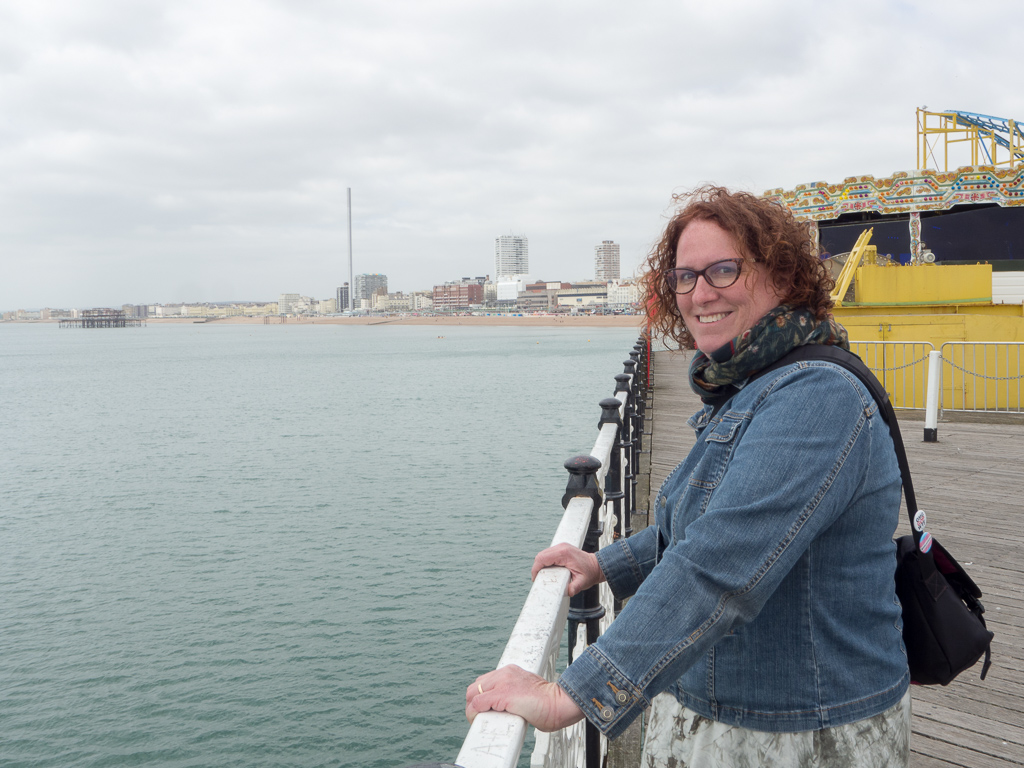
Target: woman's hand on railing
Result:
[[512, 689], [582, 565]]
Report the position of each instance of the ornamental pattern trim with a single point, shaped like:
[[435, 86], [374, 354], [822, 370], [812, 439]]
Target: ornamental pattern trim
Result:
[[905, 192]]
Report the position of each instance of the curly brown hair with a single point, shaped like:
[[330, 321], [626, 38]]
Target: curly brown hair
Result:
[[765, 232]]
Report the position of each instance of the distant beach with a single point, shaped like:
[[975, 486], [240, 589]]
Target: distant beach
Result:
[[556, 321]]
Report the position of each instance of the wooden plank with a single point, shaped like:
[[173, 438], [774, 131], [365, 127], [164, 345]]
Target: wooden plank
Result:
[[1007, 734], [991, 746], [922, 761], [940, 748], [989, 704]]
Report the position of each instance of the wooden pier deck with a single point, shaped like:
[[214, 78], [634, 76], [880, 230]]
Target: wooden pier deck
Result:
[[971, 483]]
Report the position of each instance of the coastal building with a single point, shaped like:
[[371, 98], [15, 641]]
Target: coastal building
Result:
[[584, 294], [541, 296], [260, 310], [421, 301], [511, 257], [327, 307], [135, 310], [341, 298], [459, 295], [224, 310], [286, 303], [391, 302], [366, 287], [606, 261], [507, 291], [622, 294], [490, 292]]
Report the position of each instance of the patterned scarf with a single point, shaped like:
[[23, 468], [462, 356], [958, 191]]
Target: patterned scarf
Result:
[[783, 329]]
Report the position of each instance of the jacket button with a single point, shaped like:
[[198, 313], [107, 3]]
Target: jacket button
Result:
[[621, 697], [607, 714], [662, 501]]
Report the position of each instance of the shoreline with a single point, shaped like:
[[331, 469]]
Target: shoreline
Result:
[[551, 321]]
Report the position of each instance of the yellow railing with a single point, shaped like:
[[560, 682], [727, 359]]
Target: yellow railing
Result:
[[901, 366], [982, 376], [974, 376]]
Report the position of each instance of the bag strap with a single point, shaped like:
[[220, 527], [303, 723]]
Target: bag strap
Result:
[[855, 365]]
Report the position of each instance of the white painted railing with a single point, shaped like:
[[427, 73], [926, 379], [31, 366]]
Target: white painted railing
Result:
[[495, 739]]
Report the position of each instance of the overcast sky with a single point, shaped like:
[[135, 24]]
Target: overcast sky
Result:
[[169, 151]]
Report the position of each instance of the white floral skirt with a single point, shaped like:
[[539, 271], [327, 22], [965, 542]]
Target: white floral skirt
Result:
[[680, 738]]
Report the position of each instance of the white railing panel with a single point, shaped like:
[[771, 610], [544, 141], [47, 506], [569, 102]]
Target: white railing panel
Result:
[[603, 447]]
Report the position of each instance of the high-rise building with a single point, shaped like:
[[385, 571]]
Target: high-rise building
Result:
[[341, 298], [606, 261], [288, 303], [511, 257], [135, 310], [368, 285]]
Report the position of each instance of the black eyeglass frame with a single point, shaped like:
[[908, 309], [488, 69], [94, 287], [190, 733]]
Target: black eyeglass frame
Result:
[[672, 277]]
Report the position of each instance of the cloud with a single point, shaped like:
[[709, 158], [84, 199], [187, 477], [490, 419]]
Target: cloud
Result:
[[153, 148]]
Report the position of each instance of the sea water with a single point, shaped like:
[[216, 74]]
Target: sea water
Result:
[[285, 545]]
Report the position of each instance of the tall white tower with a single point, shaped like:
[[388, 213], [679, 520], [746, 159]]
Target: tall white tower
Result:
[[511, 257], [606, 261]]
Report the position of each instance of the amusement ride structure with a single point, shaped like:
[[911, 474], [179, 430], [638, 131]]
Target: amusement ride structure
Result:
[[938, 235]]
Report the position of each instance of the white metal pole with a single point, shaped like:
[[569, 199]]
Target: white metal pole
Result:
[[934, 387], [351, 280]]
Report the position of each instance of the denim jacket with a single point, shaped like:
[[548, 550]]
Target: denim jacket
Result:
[[763, 595]]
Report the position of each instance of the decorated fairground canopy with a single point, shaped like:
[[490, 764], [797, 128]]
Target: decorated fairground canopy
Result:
[[963, 214]]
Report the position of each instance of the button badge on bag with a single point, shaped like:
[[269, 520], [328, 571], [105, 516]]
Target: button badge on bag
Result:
[[919, 520], [926, 542]]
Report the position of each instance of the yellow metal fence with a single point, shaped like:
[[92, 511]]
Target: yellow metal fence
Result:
[[901, 366], [974, 376], [982, 376]]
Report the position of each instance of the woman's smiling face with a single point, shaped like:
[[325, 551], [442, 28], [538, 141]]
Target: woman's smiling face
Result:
[[715, 316]]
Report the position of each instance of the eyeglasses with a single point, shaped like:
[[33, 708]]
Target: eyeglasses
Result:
[[721, 274]]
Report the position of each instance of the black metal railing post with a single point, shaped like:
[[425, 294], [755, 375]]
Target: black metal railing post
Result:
[[586, 606], [613, 479], [622, 391], [641, 350], [635, 428], [641, 375], [629, 421]]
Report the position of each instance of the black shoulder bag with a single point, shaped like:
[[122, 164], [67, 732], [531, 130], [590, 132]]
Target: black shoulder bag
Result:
[[943, 626]]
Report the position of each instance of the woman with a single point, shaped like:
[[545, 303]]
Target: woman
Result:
[[762, 621]]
